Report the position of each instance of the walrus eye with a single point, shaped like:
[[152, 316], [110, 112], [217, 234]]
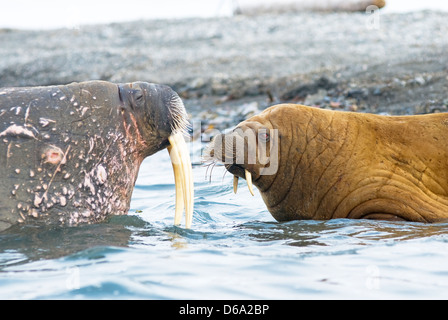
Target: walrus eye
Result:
[[263, 136], [138, 95], [135, 97]]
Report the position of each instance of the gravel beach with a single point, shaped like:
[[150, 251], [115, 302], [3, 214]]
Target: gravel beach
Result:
[[226, 69]]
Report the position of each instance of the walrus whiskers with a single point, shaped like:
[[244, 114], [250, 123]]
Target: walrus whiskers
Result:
[[209, 154], [178, 114]]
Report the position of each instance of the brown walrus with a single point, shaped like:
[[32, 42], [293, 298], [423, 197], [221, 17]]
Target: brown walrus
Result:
[[328, 164]]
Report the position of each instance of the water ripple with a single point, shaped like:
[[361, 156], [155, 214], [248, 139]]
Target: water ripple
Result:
[[235, 250]]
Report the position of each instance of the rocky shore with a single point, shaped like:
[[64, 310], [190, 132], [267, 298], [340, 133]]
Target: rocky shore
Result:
[[227, 69]]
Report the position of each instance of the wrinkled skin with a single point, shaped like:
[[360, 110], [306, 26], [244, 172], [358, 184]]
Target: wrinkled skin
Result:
[[334, 164], [71, 153]]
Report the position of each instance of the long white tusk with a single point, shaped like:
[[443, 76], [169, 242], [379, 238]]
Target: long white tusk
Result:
[[249, 181], [183, 178], [178, 181], [235, 184]]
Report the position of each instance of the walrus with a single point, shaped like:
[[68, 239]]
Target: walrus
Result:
[[70, 154], [326, 164]]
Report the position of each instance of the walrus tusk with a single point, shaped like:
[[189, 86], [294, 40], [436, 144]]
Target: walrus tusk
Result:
[[249, 181], [183, 178]]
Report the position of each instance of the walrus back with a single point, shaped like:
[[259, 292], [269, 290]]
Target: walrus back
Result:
[[18, 139], [40, 127], [397, 166]]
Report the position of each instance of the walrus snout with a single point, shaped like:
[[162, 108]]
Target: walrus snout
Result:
[[245, 152], [170, 112], [155, 105], [231, 150]]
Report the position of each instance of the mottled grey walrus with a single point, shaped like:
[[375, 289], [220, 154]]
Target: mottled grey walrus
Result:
[[324, 164], [70, 154]]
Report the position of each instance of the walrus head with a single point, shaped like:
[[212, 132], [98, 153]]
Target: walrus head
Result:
[[249, 151], [156, 110], [161, 121]]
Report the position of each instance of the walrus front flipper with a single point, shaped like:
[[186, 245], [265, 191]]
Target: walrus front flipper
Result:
[[183, 178]]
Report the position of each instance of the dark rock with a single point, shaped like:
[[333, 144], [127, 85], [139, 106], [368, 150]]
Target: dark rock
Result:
[[302, 90]]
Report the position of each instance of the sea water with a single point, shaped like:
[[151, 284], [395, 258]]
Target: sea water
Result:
[[234, 250]]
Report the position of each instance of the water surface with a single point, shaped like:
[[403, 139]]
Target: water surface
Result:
[[235, 250]]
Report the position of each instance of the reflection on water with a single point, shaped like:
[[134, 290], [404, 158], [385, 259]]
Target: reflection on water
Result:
[[52, 242], [331, 232], [235, 250]]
